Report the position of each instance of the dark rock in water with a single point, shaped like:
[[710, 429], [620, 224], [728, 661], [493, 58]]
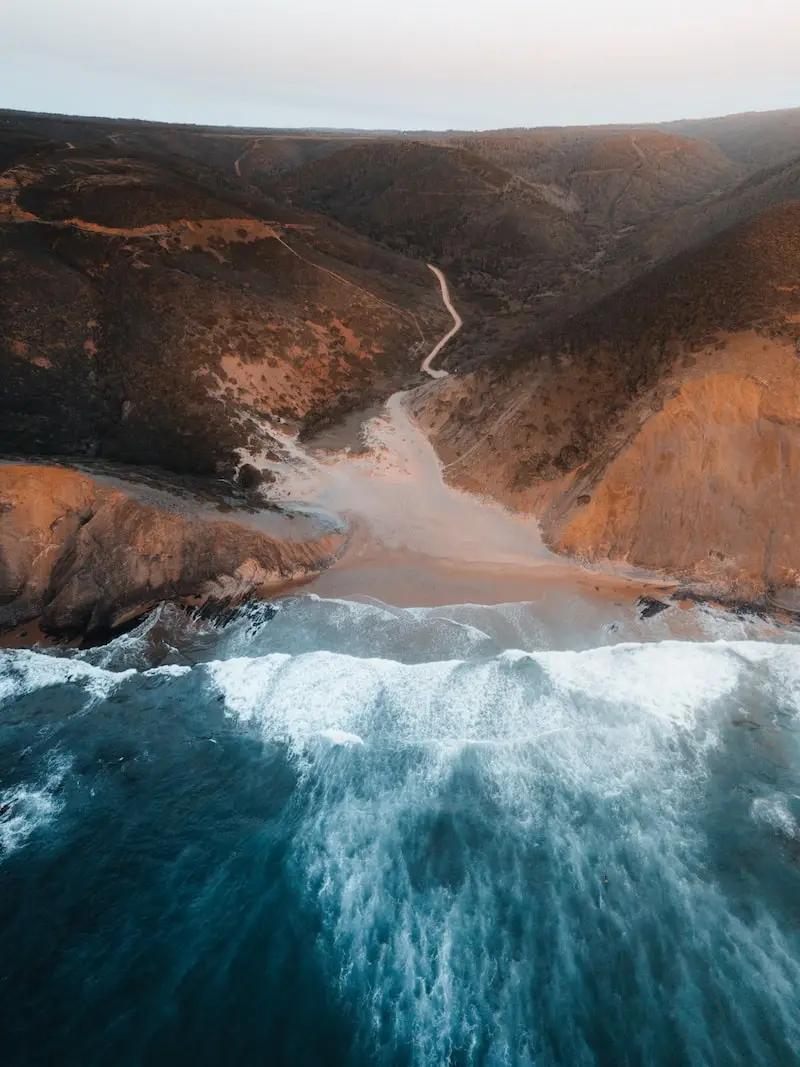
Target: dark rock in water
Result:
[[250, 477], [223, 613], [649, 607]]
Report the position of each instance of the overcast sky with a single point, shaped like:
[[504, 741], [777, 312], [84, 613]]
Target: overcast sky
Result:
[[414, 64]]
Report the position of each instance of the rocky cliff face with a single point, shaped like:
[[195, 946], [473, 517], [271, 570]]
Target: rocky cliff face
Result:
[[85, 559], [708, 488]]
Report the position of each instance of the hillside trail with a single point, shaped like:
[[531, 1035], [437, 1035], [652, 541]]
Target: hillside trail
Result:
[[458, 323], [237, 166]]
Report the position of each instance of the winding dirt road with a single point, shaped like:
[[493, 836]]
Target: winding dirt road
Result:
[[426, 364]]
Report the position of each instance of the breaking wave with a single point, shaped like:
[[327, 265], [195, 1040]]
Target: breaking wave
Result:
[[267, 848]]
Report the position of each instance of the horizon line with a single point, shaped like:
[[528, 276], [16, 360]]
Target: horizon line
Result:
[[386, 131]]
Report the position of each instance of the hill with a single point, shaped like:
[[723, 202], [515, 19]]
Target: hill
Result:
[[530, 225], [151, 309], [612, 178], [756, 139], [497, 236], [696, 223], [662, 426]]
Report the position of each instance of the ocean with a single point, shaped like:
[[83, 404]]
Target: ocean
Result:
[[337, 833]]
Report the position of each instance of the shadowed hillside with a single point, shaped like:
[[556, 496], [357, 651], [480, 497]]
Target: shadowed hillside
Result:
[[580, 378], [755, 139], [611, 178], [696, 223], [149, 310], [497, 235]]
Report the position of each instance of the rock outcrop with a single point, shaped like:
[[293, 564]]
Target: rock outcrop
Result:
[[86, 559], [707, 490]]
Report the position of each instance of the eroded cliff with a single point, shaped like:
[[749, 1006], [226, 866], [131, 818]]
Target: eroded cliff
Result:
[[85, 559]]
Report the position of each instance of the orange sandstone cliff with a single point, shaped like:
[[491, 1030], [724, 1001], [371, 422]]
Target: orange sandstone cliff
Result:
[[85, 559]]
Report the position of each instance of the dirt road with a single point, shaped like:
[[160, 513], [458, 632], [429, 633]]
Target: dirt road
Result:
[[426, 365]]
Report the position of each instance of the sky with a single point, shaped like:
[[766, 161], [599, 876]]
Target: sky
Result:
[[415, 64]]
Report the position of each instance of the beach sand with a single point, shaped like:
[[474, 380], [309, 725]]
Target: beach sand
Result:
[[417, 542]]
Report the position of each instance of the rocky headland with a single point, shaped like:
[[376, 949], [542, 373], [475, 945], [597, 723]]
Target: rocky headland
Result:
[[83, 559]]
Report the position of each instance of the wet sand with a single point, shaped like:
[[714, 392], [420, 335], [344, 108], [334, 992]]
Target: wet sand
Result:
[[413, 579], [31, 635], [575, 606], [421, 582]]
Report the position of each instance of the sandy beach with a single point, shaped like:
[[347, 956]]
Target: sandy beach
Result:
[[416, 540]]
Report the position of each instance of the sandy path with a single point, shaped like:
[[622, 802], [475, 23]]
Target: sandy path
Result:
[[394, 491], [638, 148], [16, 214], [426, 365], [237, 166]]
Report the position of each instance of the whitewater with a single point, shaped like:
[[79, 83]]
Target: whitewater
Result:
[[329, 832]]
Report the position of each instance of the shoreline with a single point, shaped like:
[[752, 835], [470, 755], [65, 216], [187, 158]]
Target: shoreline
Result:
[[557, 593], [408, 579], [411, 539]]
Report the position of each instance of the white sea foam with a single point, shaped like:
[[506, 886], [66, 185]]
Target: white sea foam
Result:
[[30, 806], [507, 698], [548, 786], [774, 812], [23, 672], [779, 672], [583, 765], [169, 670], [341, 737], [671, 679]]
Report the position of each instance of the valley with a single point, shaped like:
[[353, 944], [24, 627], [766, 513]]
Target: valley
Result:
[[597, 330], [399, 571]]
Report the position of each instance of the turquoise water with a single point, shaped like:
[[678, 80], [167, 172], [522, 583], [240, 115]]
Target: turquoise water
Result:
[[342, 834]]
